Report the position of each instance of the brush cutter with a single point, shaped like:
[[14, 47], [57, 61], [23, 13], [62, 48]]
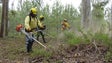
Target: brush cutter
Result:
[[20, 28]]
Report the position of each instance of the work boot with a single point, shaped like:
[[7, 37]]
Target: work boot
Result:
[[29, 46]]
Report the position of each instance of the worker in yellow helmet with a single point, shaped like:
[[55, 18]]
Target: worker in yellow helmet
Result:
[[31, 24], [65, 25], [31, 20], [40, 32]]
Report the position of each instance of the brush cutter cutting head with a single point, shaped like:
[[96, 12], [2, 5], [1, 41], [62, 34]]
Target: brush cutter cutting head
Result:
[[18, 27]]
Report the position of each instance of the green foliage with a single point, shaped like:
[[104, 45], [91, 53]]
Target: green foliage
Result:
[[74, 41], [86, 35], [98, 9], [101, 37], [108, 56], [71, 39], [68, 35], [98, 13], [41, 52], [53, 15]]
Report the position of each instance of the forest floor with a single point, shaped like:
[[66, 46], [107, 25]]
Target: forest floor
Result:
[[12, 50]]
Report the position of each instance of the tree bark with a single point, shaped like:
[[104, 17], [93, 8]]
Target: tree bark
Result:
[[86, 14], [4, 21], [6, 18]]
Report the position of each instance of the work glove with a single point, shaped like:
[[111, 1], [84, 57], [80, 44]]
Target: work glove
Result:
[[28, 30], [42, 28]]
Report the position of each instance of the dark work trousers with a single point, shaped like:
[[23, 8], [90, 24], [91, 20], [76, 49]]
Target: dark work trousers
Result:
[[40, 33], [29, 43]]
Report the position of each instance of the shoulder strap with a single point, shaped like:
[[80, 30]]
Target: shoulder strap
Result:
[[30, 19]]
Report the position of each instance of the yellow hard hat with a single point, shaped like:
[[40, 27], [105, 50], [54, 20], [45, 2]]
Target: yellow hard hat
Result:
[[41, 17], [65, 19], [34, 10]]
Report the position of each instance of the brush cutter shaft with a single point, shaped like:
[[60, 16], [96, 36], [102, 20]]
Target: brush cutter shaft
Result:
[[30, 36]]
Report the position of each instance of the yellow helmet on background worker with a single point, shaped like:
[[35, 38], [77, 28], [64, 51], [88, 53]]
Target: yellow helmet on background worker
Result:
[[41, 17], [65, 20], [33, 10]]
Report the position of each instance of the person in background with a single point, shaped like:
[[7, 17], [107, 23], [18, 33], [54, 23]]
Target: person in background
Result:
[[65, 25], [41, 27]]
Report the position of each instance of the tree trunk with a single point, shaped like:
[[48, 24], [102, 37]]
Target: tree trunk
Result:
[[111, 19], [6, 18], [4, 21], [86, 14], [0, 1]]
